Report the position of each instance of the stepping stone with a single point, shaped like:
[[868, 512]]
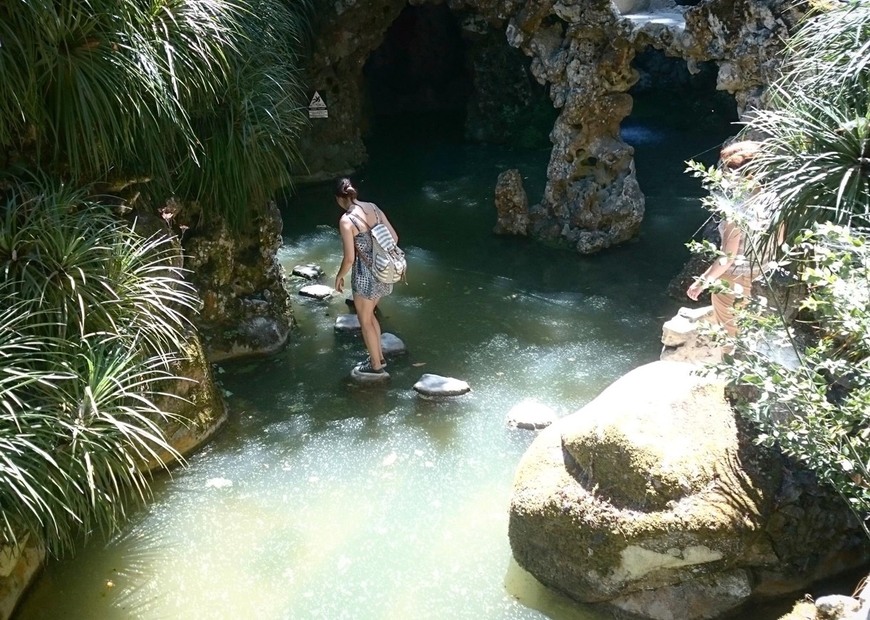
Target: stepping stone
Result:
[[352, 306], [531, 415], [392, 344], [347, 323], [367, 377], [318, 291], [436, 386], [309, 271]]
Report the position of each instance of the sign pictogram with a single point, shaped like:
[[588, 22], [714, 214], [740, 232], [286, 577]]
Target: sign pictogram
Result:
[[317, 107]]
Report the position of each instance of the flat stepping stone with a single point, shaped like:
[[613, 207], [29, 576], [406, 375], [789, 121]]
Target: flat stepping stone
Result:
[[531, 415], [368, 377], [309, 271], [347, 323], [436, 386], [317, 291], [392, 344]]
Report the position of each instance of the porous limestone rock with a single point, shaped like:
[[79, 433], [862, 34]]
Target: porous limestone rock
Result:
[[245, 309], [653, 499], [511, 204]]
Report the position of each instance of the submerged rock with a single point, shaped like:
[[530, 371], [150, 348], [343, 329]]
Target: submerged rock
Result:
[[347, 323], [654, 499], [511, 204], [436, 386], [530, 414]]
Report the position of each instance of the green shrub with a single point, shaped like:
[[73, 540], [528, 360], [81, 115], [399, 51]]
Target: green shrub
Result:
[[93, 318]]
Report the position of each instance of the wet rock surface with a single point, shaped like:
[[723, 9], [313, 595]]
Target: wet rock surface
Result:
[[436, 386]]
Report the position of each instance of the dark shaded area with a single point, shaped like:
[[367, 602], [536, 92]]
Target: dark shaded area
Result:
[[508, 106], [420, 67], [668, 91], [429, 73]]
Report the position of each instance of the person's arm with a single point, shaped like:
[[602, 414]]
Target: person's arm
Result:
[[731, 237], [345, 228]]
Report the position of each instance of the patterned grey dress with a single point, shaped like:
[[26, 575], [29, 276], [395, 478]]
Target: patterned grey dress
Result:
[[362, 280]]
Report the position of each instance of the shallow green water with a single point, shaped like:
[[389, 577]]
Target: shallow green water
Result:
[[322, 499]]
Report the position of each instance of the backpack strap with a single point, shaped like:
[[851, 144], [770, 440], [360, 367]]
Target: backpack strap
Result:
[[355, 221]]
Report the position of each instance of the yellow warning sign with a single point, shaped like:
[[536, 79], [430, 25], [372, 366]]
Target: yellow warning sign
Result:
[[317, 107]]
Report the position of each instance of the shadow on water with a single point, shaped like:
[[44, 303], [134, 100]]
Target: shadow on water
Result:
[[324, 499]]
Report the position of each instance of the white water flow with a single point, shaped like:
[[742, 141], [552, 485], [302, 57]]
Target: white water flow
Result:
[[322, 499]]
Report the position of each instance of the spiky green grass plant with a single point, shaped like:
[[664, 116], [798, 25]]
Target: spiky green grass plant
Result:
[[814, 169], [93, 316], [816, 156], [201, 99]]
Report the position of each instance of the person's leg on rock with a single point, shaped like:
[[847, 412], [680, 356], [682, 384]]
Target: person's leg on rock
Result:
[[371, 330]]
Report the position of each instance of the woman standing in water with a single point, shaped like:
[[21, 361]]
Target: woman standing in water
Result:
[[356, 241], [733, 268]]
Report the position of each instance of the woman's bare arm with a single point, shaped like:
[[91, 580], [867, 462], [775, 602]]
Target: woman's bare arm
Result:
[[731, 237], [345, 228]]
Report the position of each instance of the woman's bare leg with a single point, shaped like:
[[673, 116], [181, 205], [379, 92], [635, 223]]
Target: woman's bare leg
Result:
[[371, 328]]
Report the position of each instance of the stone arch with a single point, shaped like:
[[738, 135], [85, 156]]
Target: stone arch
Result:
[[581, 50]]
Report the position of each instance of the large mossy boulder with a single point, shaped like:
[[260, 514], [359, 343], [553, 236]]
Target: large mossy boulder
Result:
[[654, 500]]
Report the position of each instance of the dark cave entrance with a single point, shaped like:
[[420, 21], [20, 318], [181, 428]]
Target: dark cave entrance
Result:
[[678, 99], [432, 79], [418, 74], [676, 115]]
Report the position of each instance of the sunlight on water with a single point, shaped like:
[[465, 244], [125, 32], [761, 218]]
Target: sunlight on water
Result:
[[324, 499]]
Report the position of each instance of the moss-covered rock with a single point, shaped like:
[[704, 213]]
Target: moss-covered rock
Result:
[[246, 309], [196, 403], [653, 499]]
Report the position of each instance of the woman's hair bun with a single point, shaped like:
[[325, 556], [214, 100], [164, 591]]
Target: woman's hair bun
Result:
[[344, 189]]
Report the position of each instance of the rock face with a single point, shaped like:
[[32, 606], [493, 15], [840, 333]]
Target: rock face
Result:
[[197, 403], [580, 53], [19, 567], [511, 204], [653, 500], [245, 308]]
